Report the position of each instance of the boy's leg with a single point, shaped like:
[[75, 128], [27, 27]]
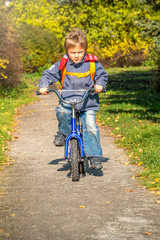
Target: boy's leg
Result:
[[91, 138], [63, 113]]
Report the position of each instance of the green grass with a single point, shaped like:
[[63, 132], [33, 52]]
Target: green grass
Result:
[[132, 109], [10, 100]]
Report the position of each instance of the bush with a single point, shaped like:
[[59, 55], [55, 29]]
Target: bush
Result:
[[129, 58], [10, 66], [38, 47]]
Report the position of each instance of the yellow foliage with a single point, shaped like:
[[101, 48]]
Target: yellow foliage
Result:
[[3, 65]]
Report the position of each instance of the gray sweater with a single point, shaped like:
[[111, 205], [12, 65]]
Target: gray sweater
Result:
[[73, 83]]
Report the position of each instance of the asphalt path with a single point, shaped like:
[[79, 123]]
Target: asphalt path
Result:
[[40, 201]]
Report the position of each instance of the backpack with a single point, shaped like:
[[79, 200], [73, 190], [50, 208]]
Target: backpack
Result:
[[92, 72]]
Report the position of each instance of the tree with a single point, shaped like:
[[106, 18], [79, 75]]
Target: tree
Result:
[[111, 25], [150, 29]]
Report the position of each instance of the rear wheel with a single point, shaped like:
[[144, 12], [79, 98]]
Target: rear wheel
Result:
[[82, 166], [74, 159]]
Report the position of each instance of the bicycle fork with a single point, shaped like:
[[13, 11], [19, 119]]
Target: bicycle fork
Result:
[[75, 133]]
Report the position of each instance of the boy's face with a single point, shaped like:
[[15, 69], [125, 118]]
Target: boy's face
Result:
[[76, 54]]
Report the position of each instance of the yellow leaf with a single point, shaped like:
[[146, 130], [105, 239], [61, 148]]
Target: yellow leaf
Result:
[[130, 190], [108, 202], [12, 215], [7, 234], [157, 193], [157, 179], [111, 134], [81, 206], [140, 163]]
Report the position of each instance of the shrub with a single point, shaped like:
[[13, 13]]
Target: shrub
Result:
[[38, 46], [10, 66]]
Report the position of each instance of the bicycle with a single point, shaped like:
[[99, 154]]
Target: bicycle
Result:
[[74, 148]]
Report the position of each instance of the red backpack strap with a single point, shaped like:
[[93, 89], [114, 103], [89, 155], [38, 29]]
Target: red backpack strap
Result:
[[63, 62], [90, 57], [62, 69]]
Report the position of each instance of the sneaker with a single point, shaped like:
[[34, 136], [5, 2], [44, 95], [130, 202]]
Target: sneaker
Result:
[[59, 139], [96, 163]]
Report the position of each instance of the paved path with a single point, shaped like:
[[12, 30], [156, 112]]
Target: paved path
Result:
[[39, 200]]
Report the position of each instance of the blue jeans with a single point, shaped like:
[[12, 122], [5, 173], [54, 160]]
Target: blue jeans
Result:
[[91, 136]]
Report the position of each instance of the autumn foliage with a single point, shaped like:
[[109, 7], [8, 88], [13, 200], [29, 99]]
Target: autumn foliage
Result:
[[10, 66], [111, 26]]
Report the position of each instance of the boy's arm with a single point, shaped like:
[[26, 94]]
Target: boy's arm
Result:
[[49, 77], [101, 78]]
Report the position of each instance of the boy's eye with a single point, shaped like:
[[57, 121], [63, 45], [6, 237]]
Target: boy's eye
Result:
[[76, 52]]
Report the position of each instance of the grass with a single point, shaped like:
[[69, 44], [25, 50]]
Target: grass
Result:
[[10, 100], [132, 109]]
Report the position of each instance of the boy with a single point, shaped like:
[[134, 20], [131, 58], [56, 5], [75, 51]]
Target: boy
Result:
[[78, 70]]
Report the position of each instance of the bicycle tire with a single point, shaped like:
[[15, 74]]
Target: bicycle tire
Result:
[[74, 160]]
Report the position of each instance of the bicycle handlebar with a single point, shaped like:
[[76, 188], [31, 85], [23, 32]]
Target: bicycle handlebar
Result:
[[72, 101]]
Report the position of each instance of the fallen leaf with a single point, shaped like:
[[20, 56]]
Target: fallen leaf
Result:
[[16, 137], [7, 234], [12, 215], [140, 163], [130, 190], [108, 202], [140, 150], [157, 179], [22, 199], [147, 233], [1, 230], [81, 206], [157, 193], [158, 201]]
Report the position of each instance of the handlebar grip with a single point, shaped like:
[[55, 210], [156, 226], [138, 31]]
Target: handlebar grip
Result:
[[92, 90], [104, 90]]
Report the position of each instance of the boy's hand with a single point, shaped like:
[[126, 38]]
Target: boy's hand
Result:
[[43, 90], [98, 88]]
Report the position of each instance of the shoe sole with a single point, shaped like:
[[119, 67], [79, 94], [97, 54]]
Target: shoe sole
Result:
[[59, 145], [97, 167]]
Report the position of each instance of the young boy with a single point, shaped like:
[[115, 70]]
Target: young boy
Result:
[[78, 70]]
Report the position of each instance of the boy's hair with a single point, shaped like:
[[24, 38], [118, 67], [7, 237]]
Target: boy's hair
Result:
[[74, 37]]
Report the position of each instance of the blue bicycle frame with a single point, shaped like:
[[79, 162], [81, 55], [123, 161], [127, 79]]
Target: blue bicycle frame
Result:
[[75, 133]]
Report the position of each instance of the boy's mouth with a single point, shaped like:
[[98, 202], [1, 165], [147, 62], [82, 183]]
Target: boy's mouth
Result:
[[76, 59]]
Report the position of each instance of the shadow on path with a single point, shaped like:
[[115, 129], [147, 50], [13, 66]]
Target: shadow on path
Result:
[[89, 170]]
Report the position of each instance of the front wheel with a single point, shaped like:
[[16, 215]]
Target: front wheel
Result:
[[74, 159]]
